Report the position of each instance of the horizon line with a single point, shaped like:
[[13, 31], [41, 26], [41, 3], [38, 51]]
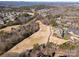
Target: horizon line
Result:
[[36, 1]]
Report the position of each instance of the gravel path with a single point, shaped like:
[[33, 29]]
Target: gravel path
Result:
[[39, 37]]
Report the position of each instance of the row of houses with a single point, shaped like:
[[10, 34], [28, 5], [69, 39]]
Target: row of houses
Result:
[[11, 16]]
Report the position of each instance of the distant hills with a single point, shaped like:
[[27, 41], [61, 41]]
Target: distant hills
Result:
[[22, 3]]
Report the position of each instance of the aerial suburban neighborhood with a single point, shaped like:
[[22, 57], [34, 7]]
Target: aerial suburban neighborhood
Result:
[[39, 29]]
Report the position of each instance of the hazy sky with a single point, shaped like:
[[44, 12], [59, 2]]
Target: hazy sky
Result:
[[45, 0]]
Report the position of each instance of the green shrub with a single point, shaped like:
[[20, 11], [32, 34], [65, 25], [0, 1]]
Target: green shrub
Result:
[[53, 22], [66, 37], [3, 33], [36, 47], [69, 46]]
